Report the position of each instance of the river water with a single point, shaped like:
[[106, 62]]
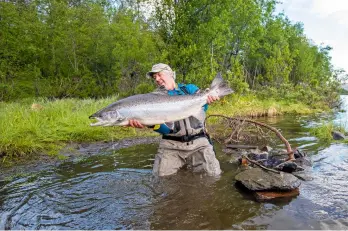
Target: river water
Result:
[[115, 190]]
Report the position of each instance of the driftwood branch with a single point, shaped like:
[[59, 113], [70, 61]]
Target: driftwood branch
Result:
[[279, 135]]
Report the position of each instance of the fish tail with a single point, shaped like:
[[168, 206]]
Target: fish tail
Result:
[[220, 87]]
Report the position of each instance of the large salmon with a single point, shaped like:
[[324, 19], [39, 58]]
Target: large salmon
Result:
[[158, 107]]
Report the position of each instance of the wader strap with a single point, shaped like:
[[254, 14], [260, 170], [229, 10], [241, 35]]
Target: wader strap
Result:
[[184, 138]]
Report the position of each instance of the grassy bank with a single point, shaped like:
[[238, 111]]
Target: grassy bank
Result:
[[39, 125], [250, 106]]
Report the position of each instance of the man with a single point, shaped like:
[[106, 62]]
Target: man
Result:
[[184, 142]]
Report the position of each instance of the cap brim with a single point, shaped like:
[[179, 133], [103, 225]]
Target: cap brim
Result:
[[149, 75]]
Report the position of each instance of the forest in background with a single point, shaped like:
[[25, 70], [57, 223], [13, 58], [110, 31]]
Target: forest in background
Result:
[[99, 48]]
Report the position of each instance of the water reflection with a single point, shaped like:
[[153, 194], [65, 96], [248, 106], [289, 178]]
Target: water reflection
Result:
[[103, 192], [99, 200], [190, 201]]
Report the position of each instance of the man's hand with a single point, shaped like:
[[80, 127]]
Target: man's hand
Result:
[[212, 99], [135, 124]]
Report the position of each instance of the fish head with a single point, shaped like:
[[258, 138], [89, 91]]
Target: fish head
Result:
[[109, 118]]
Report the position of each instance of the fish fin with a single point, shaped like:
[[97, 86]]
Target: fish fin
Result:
[[220, 87], [216, 81], [200, 115]]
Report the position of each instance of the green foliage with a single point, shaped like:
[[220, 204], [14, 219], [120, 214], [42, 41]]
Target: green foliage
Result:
[[62, 49], [238, 84], [257, 50], [323, 97], [144, 88], [58, 49]]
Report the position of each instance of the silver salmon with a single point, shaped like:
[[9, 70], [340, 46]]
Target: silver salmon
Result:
[[159, 107]]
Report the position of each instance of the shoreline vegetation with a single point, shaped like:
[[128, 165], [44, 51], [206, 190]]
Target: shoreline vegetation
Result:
[[36, 126]]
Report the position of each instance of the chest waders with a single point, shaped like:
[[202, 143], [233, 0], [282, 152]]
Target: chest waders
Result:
[[188, 129]]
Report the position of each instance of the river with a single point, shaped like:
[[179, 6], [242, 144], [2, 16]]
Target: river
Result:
[[116, 190]]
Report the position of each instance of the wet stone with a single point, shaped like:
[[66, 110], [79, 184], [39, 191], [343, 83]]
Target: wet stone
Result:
[[299, 153], [258, 156], [336, 135], [303, 162], [288, 167], [257, 179], [276, 159]]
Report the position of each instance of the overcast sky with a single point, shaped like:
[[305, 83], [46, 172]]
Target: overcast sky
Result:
[[325, 21]]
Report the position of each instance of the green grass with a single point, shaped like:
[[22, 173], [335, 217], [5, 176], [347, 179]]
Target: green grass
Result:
[[49, 127], [324, 132], [250, 106], [25, 130]]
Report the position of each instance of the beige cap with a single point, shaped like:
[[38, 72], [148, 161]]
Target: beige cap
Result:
[[158, 68]]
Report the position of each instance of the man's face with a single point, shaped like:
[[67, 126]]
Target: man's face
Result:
[[165, 80]]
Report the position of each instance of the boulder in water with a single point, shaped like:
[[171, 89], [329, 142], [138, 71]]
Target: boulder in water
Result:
[[336, 135], [257, 179]]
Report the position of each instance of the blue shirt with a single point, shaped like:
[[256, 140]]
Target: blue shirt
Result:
[[191, 89]]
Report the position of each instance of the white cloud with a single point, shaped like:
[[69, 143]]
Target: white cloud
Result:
[[336, 9], [325, 7], [325, 21]]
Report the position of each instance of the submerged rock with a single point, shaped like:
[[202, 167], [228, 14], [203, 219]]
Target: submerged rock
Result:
[[270, 195], [257, 179]]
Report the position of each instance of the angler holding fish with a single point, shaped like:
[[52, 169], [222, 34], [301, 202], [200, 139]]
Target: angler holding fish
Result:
[[177, 111]]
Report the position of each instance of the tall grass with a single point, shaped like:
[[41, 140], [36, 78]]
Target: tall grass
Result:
[[250, 105], [33, 126]]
